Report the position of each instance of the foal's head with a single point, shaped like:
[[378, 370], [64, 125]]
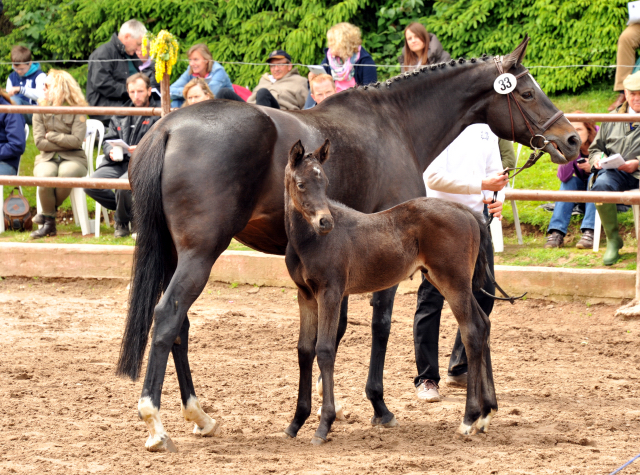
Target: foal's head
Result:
[[306, 185]]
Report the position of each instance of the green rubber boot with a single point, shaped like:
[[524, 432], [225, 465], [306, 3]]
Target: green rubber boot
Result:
[[609, 217]]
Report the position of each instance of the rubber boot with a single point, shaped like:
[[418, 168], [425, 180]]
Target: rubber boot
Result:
[[609, 217], [48, 229]]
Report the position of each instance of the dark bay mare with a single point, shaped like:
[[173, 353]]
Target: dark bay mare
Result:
[[335, 251], [215, 170]]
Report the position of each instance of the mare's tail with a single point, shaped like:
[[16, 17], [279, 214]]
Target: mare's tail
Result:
[[480, 270], [153, 249]]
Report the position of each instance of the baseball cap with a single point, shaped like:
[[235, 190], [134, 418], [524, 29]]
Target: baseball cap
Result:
[[279, 54]]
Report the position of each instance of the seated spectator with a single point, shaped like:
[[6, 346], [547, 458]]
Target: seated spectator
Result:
[[25, 84], [12, 140], [201, 65], [130, 129], [106, 80], [148, 67], [196, 90], [321, 86], [574, 176], [628, 43], [284, 88], [612, 138], [420, 48], [59, 138]]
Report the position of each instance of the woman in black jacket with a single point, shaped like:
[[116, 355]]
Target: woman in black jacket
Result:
[[420, 48]]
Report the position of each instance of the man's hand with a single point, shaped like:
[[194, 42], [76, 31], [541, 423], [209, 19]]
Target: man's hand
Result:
[[584, 166], [496, 182], [132, 148], [13, 90], [111, 154], [494, 208], [629, 166], [311, 76]]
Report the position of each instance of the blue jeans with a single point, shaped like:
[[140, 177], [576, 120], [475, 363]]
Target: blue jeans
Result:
[[562, 211], [614, 180], [6, 169], [19, 101]]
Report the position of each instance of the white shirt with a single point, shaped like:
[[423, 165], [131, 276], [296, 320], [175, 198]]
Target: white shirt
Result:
[[457, 173]]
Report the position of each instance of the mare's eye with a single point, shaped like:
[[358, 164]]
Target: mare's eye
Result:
[[527, 95], [300, 186]]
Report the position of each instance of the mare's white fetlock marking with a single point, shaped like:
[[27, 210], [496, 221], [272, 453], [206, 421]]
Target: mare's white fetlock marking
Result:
[[159, 440], [339, 412], [205, 426], [482, 424], [464, 429]]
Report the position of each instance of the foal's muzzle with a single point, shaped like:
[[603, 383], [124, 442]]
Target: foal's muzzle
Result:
[[324, 223]]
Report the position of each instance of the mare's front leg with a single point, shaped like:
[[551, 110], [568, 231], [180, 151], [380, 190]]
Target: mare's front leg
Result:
[[489, 400], [382, 303], [306, 355], [205, 426]]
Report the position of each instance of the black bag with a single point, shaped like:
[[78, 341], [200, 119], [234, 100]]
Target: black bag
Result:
[[17, 212]]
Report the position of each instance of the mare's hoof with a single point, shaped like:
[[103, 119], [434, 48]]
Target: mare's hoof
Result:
[[290, 433], [318, 440], [157, 444], [385, 421], [211, 429], [465, 430]]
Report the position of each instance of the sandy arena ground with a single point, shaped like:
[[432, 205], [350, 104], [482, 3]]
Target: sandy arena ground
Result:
[[566, 377]]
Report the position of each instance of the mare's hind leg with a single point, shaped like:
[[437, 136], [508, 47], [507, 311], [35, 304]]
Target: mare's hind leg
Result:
[[205, 426], [306, 355], [382, 303]]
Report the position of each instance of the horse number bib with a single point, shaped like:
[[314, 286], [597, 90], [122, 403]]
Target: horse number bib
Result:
[[505, 83]]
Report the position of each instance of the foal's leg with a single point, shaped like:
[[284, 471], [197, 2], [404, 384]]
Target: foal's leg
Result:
[[382, 303], [489, 400], [306, 355]]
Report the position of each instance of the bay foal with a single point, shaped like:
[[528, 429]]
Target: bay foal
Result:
[[335, 251]]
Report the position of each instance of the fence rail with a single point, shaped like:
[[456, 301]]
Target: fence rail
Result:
[[54, 182]]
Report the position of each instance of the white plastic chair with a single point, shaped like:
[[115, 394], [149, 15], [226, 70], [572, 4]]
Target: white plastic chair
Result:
[[99, 126], [26, 136]]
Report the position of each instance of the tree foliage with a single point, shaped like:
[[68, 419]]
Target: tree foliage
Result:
[[564, 32]]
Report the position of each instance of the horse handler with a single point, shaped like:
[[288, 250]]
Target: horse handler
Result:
[[469, 171]]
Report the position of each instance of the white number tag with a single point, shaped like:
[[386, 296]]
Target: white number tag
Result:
[[505, 83]]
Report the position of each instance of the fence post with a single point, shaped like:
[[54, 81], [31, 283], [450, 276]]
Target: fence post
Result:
[[166, 96]]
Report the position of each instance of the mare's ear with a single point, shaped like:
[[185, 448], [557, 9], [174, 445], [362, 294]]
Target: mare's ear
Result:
[[323, 152], [296, 154], [515, 58]]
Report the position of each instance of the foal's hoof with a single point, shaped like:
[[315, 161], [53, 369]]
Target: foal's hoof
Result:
[[318, 440], [339, 413], [482, 424], [163, 444], [211, 429], [465, 430], [290, 433], [387, 421]]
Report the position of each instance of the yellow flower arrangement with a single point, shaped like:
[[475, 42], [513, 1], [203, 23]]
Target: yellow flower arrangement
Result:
[[163, 49]]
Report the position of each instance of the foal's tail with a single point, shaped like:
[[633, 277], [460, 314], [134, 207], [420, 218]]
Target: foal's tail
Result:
[[153, 248], [480, 270]]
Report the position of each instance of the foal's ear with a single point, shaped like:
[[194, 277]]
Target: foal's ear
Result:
[[296, 154], [515, 58], [323, 152]]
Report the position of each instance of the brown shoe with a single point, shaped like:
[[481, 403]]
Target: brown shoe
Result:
[[617, 103], [554, 239], [586, 241]]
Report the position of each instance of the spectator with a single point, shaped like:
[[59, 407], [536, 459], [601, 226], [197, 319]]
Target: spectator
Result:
[[574, 176], [59, 138], [469, 179], [26, 83], [201, 65], [130, 129], [196, 90], [612, 138], [108, 73], [628, 43], [420, 48], [284, 88], [148, 67], [346, 60], [12, 140], [322, 86]]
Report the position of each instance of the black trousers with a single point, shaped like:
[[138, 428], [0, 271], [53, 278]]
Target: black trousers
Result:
[[229, 94], [265, 98], [426, 328], [120, 201]]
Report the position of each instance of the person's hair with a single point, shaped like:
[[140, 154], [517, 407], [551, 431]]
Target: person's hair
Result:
[[591, 134], [134, 28], [320, 78], [5, 96], [197, 82], [64, 89], [134, 77], [343, 40], [203, 49], [20, 54], [411, 58]]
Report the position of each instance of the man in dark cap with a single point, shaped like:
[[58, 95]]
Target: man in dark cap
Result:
[[283, 88]]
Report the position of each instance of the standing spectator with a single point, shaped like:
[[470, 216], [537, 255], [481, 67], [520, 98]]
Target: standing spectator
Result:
[[284, 88], [12, 140], [59, 138], [26, 83], [628, 43], [201, 65], [111, 64], [574, 177], [420, 48], [130, 129], [469, 179]]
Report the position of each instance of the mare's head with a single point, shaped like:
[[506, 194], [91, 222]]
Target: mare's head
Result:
[[543, 117], [306, 185]]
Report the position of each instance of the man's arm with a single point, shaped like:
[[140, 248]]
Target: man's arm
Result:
[[507, 154], [101, 78], [14, 131], [597, 149], [37, 92]]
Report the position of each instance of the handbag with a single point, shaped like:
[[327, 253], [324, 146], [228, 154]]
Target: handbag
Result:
[[17, 212]]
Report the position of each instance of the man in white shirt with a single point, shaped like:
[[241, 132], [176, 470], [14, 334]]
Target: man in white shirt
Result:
[[469, 171]]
